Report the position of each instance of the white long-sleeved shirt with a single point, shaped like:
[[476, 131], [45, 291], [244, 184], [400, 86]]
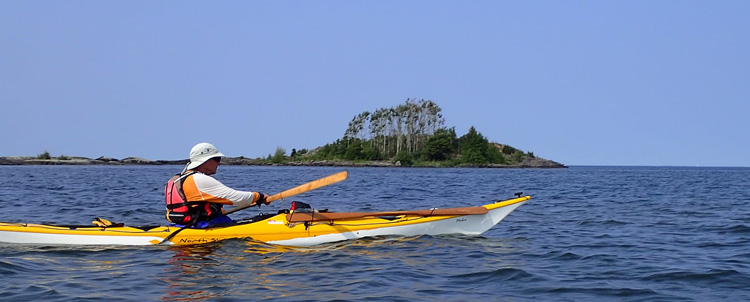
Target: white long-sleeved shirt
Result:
[[201, 187]]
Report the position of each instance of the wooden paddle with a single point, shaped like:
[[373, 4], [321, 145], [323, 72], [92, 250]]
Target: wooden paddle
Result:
[[331, 179]]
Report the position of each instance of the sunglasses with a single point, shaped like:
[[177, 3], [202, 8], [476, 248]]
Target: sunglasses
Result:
[[217, 159]]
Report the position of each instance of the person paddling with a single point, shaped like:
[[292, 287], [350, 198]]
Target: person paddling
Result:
[[196, 199]]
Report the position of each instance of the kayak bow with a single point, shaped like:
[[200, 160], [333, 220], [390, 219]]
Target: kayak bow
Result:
[[292, 229]]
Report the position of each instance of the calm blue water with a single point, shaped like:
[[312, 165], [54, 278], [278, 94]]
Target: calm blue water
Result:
[[588, 234]]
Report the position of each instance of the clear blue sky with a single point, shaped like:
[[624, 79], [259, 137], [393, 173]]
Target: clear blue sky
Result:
[[578, 82]]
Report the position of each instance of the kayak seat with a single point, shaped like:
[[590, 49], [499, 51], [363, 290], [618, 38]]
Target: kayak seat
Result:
[[146, 228], [391, 217]]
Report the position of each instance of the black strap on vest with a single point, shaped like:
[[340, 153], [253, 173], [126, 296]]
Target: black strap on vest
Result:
[[181, 179], [188, 204]]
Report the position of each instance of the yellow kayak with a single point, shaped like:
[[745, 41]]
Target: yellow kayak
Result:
[[295, 228]]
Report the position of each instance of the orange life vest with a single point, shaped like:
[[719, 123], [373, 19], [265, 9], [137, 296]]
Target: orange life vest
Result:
[[182, 211]]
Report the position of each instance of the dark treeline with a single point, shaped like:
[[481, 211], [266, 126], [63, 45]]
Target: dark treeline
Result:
[[412, 133]]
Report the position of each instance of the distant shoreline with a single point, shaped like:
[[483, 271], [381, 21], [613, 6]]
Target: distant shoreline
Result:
[[243, 161]]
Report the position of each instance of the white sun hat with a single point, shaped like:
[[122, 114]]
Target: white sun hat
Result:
[[201, 153]]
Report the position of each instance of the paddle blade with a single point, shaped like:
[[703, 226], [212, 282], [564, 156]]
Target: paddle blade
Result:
[[331, 179]]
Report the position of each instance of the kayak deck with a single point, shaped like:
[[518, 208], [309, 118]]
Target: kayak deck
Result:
[[293, 229]]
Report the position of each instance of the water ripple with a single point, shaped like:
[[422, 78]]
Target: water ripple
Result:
[[498, 275]]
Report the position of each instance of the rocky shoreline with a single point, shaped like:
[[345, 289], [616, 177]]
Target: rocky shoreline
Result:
[[243, 161]]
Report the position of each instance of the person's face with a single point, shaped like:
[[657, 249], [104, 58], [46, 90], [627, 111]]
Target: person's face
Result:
[[210, 166]]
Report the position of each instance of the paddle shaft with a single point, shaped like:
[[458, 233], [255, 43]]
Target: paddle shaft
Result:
[[331, 179]]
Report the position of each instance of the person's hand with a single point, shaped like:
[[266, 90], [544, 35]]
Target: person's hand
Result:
[[262, 200]]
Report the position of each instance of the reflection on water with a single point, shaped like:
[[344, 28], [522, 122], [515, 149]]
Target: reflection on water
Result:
[[208, 271], [245, 269], [184, 273]]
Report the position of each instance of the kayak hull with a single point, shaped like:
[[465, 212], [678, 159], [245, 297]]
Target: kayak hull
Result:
[[276, 229], [413, 226]]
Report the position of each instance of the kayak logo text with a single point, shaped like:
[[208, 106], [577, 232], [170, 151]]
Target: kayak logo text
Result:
[[200, 240]]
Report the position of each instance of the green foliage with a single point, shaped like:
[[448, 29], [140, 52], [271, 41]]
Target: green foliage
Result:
[[473, 157], [370, 153], [517, 156], [406, 159], [494, 155], [509, 150], [441, 145], [474, 148], [63, 157], [279, 156], [44, 155], [297, 155], [353, 150], [335, 150], [450, 163]]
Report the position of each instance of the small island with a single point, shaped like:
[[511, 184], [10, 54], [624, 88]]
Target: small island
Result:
[[408, 135]]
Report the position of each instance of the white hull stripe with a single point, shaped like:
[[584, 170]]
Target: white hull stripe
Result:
[[41, 238]]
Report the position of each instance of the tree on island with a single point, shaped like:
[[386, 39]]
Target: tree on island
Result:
[[389, 131], [411, 133]]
